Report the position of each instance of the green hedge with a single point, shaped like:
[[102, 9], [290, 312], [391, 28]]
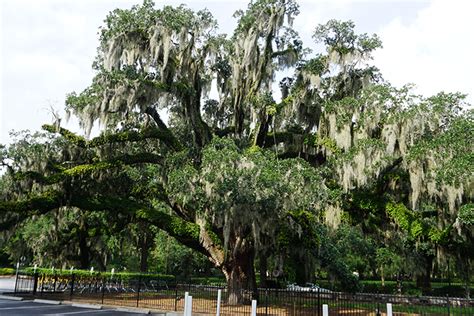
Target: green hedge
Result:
[[7, 271], [408, 288]]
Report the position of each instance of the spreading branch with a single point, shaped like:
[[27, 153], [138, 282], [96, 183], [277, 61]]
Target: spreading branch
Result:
[[121, 137], [37, 203], [87, 169]]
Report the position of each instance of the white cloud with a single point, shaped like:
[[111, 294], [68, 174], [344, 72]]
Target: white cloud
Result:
[[434, 51]]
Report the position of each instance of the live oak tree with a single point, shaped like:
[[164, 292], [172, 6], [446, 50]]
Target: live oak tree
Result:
[[241, 172]]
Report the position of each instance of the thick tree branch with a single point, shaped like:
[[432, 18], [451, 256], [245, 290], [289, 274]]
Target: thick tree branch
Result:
[[70, 136], [263, 130], [129, 136], [86, 169], [41, 203], [185, 232], [171, 140]]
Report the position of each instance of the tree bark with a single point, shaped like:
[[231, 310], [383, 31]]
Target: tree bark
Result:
[[423, 281], [263, 267], [84, 257], [145, 243], [240, 276]]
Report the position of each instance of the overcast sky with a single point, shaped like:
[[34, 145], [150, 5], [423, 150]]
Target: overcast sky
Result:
[[47, 46]]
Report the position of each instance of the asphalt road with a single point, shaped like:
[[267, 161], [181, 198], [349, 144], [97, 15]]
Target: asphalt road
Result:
[[7, 284], [12, 308]]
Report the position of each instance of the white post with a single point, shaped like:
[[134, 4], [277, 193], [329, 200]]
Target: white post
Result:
[[325, 310], [219, 295], [35, 267], [16, 273], [186, 294], [254, 308], [389, 309], [190, 306]]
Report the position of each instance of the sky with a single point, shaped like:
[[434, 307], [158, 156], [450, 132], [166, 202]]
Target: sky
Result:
[[47, 46]]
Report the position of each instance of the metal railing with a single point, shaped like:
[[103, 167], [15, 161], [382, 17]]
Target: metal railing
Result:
[[151, 292]]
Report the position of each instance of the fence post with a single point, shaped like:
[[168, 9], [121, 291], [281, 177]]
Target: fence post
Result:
[[254, 308], [389, 309], [176, 294], [16, 276], [219, 295], [266, 301], [72, 285], [378, 305], [35, 283], [325, 310], [447, 301], [54, 284], [319, 301], [190, 306], [186, 294], [103, 288], [42, 285], [16, 281], [138, 289]]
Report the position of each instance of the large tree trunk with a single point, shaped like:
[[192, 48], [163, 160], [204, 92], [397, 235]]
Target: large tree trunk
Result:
[[84, 257], [145, 243], [240, 275], [263, 267], [423, 281], [464, 269]]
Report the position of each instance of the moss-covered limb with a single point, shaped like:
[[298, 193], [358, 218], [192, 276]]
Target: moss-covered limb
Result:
[[179, 210], [171, 141], [105, 203], [134, 136], [41, 203], [185, 232], [86, 169], [129, 136], [215, 234], [70, 136]]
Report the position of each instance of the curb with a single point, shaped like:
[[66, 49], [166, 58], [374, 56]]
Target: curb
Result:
[[36, 300], [133, 310], [91, 306], [11, 298]]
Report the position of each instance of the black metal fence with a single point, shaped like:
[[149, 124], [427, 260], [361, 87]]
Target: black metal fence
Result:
[[151, 292]]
